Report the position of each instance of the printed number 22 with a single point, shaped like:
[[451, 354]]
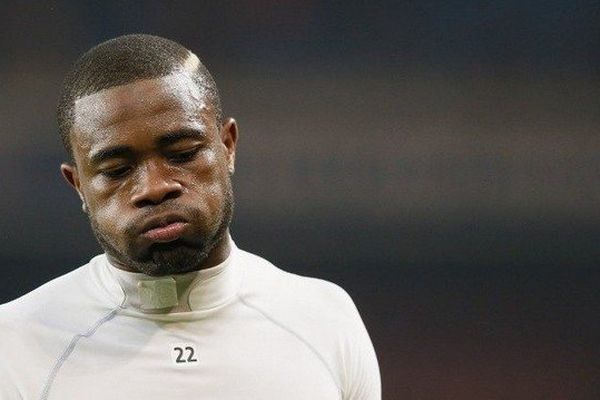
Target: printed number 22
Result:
[[190, 355]]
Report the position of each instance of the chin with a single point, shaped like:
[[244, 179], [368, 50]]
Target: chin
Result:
[[170, 259], [160, 259]]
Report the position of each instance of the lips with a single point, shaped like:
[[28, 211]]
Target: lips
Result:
[[164, 229], [166, 233]]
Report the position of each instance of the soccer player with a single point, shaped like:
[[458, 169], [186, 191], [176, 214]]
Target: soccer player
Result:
[[172, 309]]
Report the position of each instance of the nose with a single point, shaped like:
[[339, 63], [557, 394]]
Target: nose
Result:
[[154, 185]]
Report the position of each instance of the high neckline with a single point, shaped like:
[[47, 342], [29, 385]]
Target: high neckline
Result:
[[172, 294]]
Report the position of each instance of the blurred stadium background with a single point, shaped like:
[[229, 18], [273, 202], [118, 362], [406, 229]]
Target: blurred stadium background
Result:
[[438, 159]]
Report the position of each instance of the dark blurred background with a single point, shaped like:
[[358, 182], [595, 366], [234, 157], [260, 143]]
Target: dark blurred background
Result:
[[438, 159]]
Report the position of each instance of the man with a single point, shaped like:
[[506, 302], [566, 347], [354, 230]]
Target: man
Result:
[[172, 309]]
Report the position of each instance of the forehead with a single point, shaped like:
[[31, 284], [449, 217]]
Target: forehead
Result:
[[160, 103]]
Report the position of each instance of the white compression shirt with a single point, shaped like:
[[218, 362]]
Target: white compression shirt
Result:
[[241, 330]]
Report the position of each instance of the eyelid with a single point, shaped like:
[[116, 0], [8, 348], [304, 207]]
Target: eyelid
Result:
[[184, 154], [115, 171]]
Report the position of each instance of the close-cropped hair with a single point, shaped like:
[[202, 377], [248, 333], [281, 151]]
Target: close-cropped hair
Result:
[[123, 60]]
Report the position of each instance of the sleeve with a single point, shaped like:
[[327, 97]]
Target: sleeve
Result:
[[8, 389], [362, 380]]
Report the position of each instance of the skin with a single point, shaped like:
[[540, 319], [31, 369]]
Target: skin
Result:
[[152, 153]]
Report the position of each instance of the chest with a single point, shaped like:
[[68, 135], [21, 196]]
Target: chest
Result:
[[226, 358]]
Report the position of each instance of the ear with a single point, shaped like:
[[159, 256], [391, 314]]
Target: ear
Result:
[[72, 177], [229, 137]]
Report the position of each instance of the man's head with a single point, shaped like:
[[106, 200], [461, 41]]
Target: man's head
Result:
[[126, 59], [151, 156]]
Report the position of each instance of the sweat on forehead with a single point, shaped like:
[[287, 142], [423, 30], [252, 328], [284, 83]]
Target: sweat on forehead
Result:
[[147, 96]]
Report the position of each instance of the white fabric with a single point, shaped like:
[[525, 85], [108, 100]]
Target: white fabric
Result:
[[241, 330]]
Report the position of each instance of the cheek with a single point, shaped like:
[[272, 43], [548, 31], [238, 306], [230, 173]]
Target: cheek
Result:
[[209, 173], [107, 210], [110, 218], [210, 182]]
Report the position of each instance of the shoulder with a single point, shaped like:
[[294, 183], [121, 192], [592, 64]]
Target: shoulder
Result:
[[284, 291], [322, 316], [40, 325], [61, 299]]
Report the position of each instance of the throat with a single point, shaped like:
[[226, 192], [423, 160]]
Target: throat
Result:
[[157, 295]]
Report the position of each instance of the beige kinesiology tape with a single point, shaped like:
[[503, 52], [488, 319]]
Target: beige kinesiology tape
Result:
[[158, 293]]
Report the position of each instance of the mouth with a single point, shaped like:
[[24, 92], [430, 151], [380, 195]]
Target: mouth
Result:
[[164, 229]]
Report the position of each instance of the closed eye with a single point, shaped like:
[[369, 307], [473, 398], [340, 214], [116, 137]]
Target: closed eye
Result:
[[184, 156], [115, 173]]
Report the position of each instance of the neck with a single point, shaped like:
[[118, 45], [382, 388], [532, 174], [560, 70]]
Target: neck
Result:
[[219, 253], [198, 290]]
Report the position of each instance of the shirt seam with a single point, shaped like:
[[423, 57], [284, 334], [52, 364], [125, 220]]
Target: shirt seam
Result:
[[299, 337], [69, 350]]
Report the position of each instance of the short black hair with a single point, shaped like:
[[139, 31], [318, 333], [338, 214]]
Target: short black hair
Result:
[[123, 60]]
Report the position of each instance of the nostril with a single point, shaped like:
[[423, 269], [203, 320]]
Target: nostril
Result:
[[172, 195], [144, 203]]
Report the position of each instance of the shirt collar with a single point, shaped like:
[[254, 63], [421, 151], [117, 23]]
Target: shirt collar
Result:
[[193, 291]]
